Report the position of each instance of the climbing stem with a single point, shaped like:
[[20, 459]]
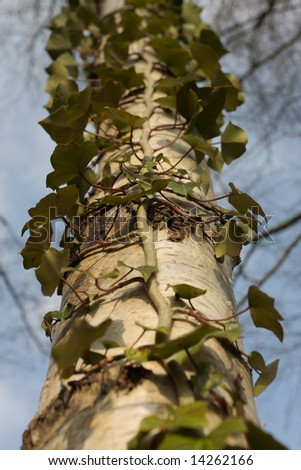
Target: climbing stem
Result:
[[152, 286]]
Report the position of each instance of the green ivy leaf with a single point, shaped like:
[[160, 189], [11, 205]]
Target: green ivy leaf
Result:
[[116, 52], [260, 440], [208, 121], [234, 141], [243, 202], [63, 67], [56, 205], [230, 240], [77, 342], [263, 312], [267, 372], [38, 242], [51, 268], [185, 291], [146, 271], [169, 51], [124, 119], [206, 58], [107, 95], [68, 122], [256, 361], [182, 189], [55, 315], [190, 416], [227, 428], [194, 340], [137, 355], [69, 161], [209, 38], [168, 102], [201, 145], [187, 102], [58, 43]]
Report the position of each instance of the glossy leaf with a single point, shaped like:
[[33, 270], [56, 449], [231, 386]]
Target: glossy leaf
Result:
[[261, 440], [185, 291], [243, 202], [77, 342], [69, 161], [146, 271], [190, 416], [201, 145], [195, 339], [58, 43], [50, 272], [187, 102], [263, 312], [183, 189], [56, 205], [230, 240], [234, 141], [123, 118], [206, 58], [268, 374]]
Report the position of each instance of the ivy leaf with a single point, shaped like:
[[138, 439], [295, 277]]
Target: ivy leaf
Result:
[[209, 38], [68, 122], [169, 51], [190, 416], [263, 312], [137, 355], [201, 145], [185, 291], [59, 71], [69, 161], [230, 240], [116, 52], [208, 121], [187, 102], [182, 189], [267, 376], [267, 372], [124, 119], [153, 185], [56, 205], [107, 95], [228, 427], [260, 440], [38, 242], [77, 342], [243, 202], [55, 315], [53, 263], [206, 58], [146, 271], [58, 43], [194, 340], [256, 361], [234, 141], [168, 102]]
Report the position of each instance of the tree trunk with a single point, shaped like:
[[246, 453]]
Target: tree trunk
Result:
[[102, 405]]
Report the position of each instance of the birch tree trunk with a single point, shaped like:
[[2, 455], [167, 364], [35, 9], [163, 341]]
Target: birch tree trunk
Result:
[[102, 405]]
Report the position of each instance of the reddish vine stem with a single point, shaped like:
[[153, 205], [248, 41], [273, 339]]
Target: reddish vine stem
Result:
[[170, 143], [64, 281]]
